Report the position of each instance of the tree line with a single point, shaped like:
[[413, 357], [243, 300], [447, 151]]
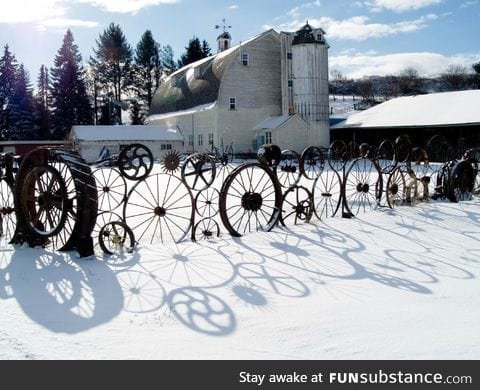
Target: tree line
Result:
[[117, 78], [407, 82]]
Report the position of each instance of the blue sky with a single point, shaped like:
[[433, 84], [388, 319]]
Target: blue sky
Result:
[[366, 36]]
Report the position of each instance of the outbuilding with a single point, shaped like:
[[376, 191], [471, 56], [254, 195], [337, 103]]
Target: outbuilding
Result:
[[93, 142]]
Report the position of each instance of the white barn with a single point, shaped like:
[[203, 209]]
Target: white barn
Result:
[[271, 88], [91, 141]]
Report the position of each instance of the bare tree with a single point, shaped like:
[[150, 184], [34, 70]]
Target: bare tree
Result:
[[455, 78], [410, 82]]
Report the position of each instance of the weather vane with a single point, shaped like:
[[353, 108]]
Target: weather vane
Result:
[[224, 26]]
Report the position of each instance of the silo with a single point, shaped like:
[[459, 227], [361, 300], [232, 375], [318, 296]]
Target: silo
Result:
[[310, 82]]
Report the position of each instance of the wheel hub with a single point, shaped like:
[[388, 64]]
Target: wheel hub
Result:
[[394, 189], [252, 201], [160, 211]]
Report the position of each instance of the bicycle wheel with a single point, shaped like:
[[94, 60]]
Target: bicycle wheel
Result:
[[250, 200]]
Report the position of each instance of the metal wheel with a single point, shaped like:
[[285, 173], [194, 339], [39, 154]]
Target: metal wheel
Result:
[[206, 229], [135, 162], [116, 237], [288, 169], [160, 208], [438, 149], [395, 191], [8, 219], [45, 201], [411, 187], [327, 193], [386, 157], [424, 172], [312, 162], [363, 185], [111, 188], [57, 204], [459, 184], [338, 155], [473, 156], [250, 200], [297, 206], [198, 171], [403, 148], [207, 202]]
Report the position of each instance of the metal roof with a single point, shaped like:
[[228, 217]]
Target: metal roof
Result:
[[126, 133]]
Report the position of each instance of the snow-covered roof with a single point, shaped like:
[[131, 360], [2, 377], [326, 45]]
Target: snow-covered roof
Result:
[[436, 109], [194, 110], [127, 133]]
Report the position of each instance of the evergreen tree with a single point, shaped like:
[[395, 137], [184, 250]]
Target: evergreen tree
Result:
[[43, 104], [71, 105], [112, 64], [8, 74], [147, 71], [194, 51], [206, 50], [137, 116], [22, 125], [166, 56]]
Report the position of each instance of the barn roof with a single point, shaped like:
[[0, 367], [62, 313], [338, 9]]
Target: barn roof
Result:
[[196, 84], [436, 109], [126, 133], [276, 122]]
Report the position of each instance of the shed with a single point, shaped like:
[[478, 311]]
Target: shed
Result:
[[93, 141], [454, 115]]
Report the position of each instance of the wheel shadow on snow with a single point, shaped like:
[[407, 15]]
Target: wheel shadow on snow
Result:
[[62, 294]]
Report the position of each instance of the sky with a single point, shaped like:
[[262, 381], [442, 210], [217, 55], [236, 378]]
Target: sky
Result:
[[367, 37]]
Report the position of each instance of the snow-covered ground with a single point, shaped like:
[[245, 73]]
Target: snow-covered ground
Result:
[[401, 284]]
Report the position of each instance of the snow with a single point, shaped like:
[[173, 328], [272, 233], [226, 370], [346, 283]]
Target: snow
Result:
[[436, 109], [126, 133], [190, 111], [388, 284]]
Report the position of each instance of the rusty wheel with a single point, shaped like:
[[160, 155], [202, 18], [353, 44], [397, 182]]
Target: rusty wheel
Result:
[[327, 194], [135, 162], [111, 188], [312, 162], [250, 199], [338, 155], [159, 208], [363, 185], [288, 169], [198, 171], [386, 157], [297, 206], [206, 202], [206, 229], [8, 219], [116, 237], [395, 190]]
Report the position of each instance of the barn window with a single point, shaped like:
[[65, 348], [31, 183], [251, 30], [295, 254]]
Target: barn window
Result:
[[290, 83], [200, 139], [233, 104], [268, 137], [166, 147], [245, 59], [190, 140], [289, 55], [210, 139]]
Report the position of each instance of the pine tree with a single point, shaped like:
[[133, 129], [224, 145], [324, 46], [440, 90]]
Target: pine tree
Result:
[[194, 51], [8, 74], [137, 116], [206, 50], [147, 71], [166, 56], [43, 104], [22, 108], [112, 64], [71, 104]]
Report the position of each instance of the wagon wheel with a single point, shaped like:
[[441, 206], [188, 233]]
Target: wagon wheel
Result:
[[395, 190], [206, 202], [363, 185], [116, 237], [159, 208], [338, 155], [8, 219], [250, 200], [206, 229], [198, 171], [473, 156], [386, 157], [327, 193], [438, 149], [135, 162], [312, 162], [57, 204], [459, 184], [403, 147], [297, 206], [111, 188], [288, 169]]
